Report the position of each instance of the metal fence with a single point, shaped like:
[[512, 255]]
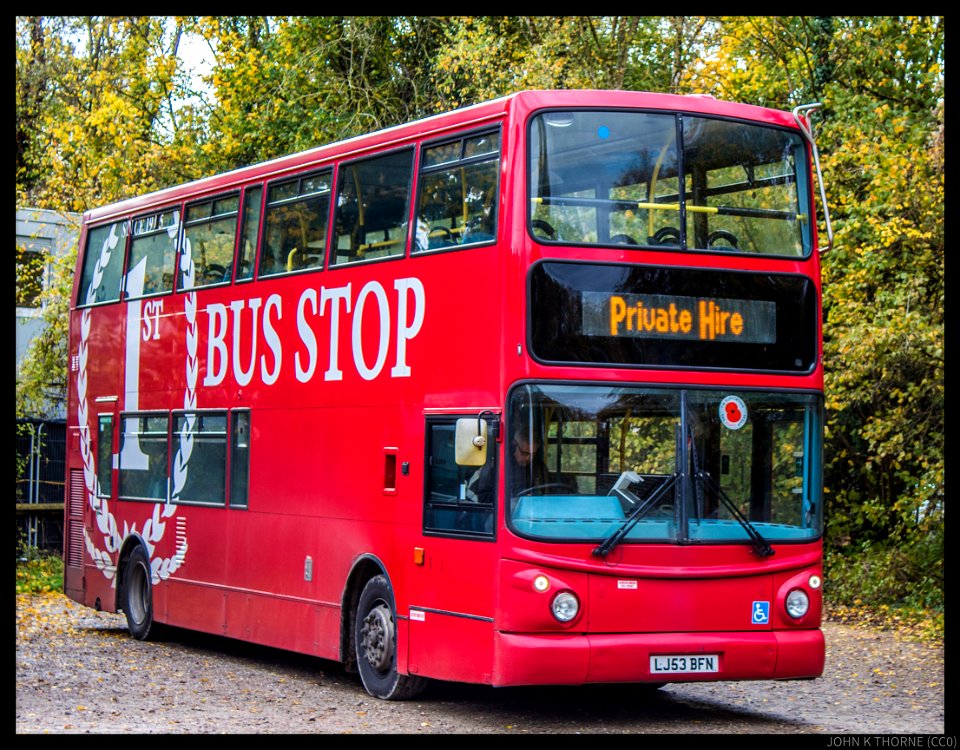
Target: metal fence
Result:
[[41, 458]]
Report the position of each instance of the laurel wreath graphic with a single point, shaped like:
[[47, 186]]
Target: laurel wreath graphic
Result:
[[154, 527]]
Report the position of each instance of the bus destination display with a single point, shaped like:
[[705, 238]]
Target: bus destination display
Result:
[[661, 316]]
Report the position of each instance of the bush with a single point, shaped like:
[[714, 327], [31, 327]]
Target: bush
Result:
[[38, 572], [893, 586]]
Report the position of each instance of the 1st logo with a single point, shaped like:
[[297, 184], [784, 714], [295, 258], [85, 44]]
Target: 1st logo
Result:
[[152, 309]]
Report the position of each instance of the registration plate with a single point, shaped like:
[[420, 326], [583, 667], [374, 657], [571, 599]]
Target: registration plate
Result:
[[685, 664]]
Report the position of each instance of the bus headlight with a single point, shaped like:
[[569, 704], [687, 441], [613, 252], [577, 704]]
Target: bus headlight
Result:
[[797, 603], [565, 606]]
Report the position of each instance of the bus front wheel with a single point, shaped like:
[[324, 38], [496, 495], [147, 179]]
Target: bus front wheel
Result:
[[375, 635]]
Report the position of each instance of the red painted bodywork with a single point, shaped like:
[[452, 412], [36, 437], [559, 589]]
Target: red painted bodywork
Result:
[[467, 611]]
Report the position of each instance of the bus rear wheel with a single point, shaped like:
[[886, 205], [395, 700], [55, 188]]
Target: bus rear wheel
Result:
[[137, 600], [375, 635]]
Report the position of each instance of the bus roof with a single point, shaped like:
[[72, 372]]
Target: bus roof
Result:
[[521, 102]]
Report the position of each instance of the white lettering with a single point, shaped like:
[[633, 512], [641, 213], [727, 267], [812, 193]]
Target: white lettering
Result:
[[272, 339], [151, 328], [224, 345], [306, 336], [406, 332], [335, 295], [369, 373], [244, 376], [217, 314]]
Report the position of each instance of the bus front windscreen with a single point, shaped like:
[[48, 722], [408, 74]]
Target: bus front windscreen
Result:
[[675, 181], [664, 465]]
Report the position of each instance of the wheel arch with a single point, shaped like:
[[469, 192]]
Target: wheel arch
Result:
[[365, 567]]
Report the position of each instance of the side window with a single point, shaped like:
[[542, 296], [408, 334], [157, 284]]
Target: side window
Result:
[[209, 236], [240, 459], [203, 477], [143, 457], [153, 254], [458, 499], [247, 252], [458, 192], [105, 455], [103, 264], [296, 224], [373, 201]]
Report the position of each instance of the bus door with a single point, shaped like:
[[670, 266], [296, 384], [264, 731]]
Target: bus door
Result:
[[451, 594]]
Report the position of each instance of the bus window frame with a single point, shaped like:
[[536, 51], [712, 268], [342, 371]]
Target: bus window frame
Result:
[[138, 414], [197, 222], [461, 161], [231, 450], [265, 204], [332, 238], [493, 450], [82, 263], [131, 237], [172, 433], [254, 260]]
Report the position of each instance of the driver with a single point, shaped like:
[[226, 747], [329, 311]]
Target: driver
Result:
[[524, 470]]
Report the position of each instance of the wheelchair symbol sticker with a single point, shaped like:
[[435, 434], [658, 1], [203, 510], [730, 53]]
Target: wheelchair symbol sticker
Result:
[[761, 613]]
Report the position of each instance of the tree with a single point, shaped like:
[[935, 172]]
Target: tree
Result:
[[100, 95]]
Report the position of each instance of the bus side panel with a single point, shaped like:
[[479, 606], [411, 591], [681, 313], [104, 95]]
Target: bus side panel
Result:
[[285, 578], [445, 646], [280, 623]]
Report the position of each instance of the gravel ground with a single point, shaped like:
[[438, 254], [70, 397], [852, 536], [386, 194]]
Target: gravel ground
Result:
[[79, 672]]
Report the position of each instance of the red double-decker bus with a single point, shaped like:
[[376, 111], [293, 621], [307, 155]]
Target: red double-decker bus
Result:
[[527, 393]]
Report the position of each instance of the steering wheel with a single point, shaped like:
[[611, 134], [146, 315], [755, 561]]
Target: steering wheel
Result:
[[544, 228], [622, 239], [549, 485], [724, 235], [661, 236]]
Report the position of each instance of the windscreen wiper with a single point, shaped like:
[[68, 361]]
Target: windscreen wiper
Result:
[[635, 515], [760, 545]]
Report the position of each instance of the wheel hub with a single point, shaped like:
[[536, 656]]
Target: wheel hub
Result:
[[377, 638]]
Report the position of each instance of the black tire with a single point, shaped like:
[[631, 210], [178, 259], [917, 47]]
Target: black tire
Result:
[[137, 597], [375, 636]]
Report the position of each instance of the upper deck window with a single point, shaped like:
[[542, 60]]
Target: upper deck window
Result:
[[103, 264], [153, 254], [668, 180], [210, 233], [296, 224], [458, 192], [373, 203]]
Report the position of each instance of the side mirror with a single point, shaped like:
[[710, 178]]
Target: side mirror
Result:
[[470, 446]]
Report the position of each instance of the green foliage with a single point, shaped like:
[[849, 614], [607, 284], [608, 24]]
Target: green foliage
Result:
[[38, 572], [905, 575], [42, 376], [884, 288]]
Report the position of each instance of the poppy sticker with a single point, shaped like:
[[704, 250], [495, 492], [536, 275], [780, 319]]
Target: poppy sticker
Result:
[[733, 412]]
